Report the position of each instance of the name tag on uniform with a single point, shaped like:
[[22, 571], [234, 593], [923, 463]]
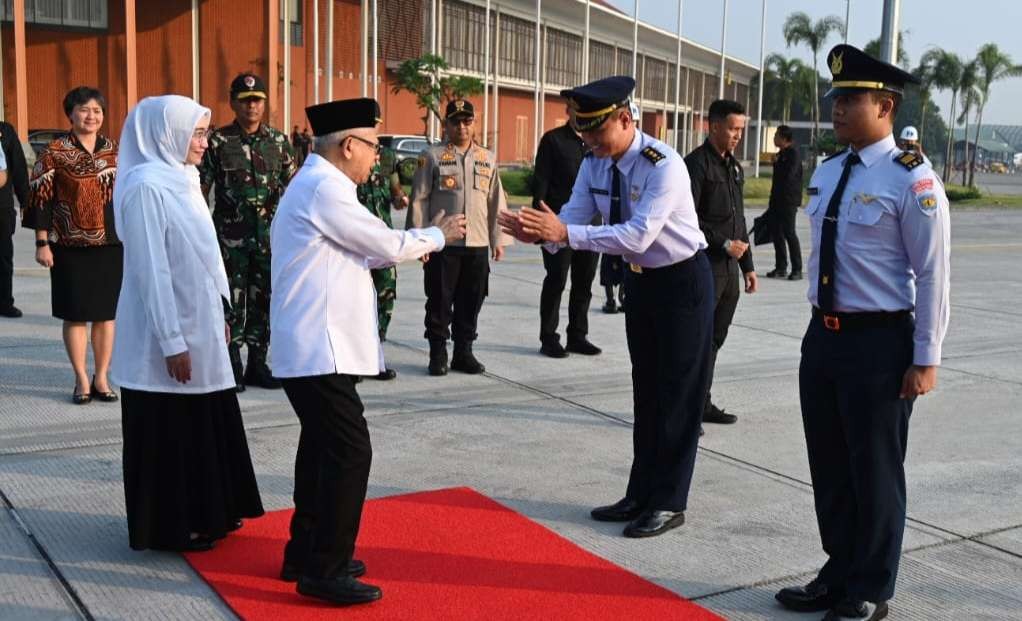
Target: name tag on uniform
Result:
[[599, 191], [812, 191]]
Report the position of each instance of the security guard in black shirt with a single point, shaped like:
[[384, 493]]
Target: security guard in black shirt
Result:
[[15, 184], [717, 185], [558, 159]]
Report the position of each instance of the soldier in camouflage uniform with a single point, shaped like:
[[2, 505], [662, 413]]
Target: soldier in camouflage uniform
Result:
[[249, 164], [378, 193]]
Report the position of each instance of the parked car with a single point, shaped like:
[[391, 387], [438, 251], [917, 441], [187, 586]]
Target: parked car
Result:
[[40, 138], [998, 167], [407, 148]]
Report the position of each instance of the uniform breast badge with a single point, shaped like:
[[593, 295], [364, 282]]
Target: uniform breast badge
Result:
[[449, 182]]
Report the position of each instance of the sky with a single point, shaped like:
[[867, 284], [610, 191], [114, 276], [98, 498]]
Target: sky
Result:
[[957, 26]]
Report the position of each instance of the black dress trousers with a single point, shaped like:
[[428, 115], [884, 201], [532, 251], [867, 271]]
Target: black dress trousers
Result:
[[856, 430], [582, 266], [669, 325], [782, 230], [456, 280], [7, 224], [331, 473], [726, 293]]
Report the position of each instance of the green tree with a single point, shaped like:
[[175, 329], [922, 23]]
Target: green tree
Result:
[[946, 69], [993, 65], [424, 78], [873, 49], [799, 28], [971, 98], [782, 73]]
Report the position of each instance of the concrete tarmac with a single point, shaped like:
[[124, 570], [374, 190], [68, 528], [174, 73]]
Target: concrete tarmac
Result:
[[551, 439]]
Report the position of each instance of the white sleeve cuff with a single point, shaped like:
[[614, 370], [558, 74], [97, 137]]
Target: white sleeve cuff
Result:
[[436, 236], [926, 355], [173, 346]]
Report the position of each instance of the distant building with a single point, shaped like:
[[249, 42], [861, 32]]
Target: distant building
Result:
[[137, 48], [997, 143]]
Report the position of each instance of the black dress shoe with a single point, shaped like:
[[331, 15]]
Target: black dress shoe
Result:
[[795, 276], [438, 358], [290, 573], [78, 398], [201, 543], [339, 590], [610, 307], [624, 510], [653, 523], [813, 597], [12, 312], [856, 610], [554, 349], [777, 273], [584, 347], [108, 396], [719, 416], [385, 375], [465, 361], [258, 374]]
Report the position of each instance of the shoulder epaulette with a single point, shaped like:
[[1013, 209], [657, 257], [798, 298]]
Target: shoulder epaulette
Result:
[[909, 159], [653, 155], [835, 155]]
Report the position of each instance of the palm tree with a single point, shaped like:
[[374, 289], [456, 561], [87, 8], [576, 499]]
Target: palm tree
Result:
[[799, 28], [947, 76], [993, 65], [784, 71], [873, 49], [971, 97], [926, 72]]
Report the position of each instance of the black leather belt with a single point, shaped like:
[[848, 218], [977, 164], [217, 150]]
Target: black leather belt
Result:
[[853, 321], [638, 269]]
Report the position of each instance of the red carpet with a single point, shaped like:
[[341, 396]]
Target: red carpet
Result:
[[450, 554]]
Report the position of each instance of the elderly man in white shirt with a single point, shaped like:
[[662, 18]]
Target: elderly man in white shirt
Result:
[[324, 332]]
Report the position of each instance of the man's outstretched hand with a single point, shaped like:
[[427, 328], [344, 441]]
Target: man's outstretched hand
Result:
[[543, 223], [511, 224]]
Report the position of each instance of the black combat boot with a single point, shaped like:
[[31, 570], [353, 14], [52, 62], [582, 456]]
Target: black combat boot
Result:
[[235, 353], [464, 361], [257, 373], [438, 357]]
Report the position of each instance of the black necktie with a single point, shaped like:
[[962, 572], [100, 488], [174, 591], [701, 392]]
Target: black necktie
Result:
[[615, 196], [828, 237]]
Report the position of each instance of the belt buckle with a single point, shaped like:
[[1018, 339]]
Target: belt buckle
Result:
[[832, 323], [635, 268]]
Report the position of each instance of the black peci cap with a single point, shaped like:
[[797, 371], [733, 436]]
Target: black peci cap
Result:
[[248, 85], [855, 70], [335, 116], [593, 103], [459, 107]]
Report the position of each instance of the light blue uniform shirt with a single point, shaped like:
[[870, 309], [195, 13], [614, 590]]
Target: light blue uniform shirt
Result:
[[658, 226], [893, 242], [3, 159]]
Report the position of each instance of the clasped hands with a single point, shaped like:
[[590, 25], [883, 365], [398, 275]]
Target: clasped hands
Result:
[[530, 225]]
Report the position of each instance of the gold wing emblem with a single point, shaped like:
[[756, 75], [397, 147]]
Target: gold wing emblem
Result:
[[837, 63]]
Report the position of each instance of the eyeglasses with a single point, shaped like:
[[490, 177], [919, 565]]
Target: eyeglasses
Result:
[[199, 134], [375, 145], [467, 121]]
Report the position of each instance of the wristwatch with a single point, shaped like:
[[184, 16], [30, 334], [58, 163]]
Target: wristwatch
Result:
[[42, 243], [727, 245]]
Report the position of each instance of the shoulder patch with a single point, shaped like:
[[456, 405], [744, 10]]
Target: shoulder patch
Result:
[[909, 160], [927, 202], [653, 155], [828, 158]]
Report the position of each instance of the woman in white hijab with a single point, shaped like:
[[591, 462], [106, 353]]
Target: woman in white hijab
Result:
[[188, 477]]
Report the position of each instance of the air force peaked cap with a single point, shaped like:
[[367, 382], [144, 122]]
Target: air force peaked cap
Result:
[[335, 116], [855, 70], [593, 103]]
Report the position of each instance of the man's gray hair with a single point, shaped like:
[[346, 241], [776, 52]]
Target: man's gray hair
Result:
[[321, 144]]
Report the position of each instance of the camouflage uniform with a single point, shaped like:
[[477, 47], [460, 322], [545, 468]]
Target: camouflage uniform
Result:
[[375, 195], [249, 173]]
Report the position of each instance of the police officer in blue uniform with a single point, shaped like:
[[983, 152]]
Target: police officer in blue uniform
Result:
[[878, 284], [640, 187]]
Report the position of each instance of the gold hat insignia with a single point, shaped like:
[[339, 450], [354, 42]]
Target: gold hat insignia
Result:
[[837, 63]]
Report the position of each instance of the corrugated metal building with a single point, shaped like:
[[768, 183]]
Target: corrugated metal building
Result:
[[135, 48]]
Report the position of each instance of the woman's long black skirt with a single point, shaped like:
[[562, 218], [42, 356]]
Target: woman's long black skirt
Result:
[[187, 467]]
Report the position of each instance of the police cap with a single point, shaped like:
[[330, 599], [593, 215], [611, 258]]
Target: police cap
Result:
[[593, 103], [855, 70], [459, 107], [335, 116], [248, 85]]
